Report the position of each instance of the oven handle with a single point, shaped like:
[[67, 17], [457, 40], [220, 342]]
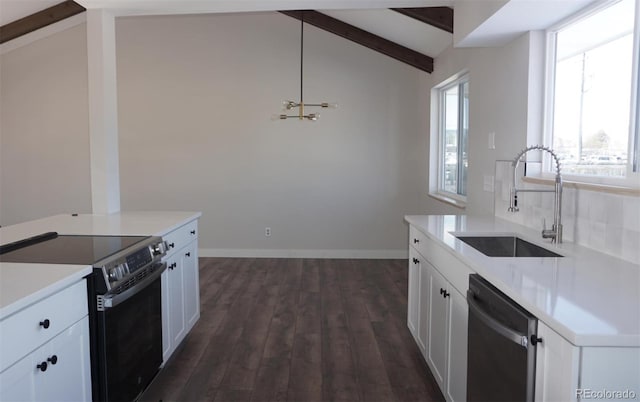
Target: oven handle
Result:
[[510, 334], [111, 300]]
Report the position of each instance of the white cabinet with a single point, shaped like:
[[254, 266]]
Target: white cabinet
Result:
[[447, 350], [413, 303], [438, 313], [56, 364], [418, 307], [456, 384], [557, 363], [180, 287]]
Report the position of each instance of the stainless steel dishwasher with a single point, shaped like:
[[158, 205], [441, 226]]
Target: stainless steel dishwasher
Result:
[[501, 360]]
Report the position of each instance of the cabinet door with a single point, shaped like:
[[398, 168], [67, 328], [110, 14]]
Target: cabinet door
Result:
[[438, 314], [557, 363], [176, 302], [17, 382], [456, 389], [167, 345], [190, 275], [423, 306], [413, 290], [67, 377]]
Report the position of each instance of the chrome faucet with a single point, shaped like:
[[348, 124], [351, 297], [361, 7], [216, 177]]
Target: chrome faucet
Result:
[[555, 233]]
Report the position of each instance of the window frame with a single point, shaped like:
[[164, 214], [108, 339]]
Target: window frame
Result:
[[632, 175], [438, 139]]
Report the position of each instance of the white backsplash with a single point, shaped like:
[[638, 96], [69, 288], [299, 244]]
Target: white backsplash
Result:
[[606, 222]]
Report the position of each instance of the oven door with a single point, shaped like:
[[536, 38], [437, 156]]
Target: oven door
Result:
[[129, 341]]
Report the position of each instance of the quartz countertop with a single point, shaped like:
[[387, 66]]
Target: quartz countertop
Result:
[[22, 284], [590, 298]]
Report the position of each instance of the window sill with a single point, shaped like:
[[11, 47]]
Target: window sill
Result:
[[603, 188], [448, 200]]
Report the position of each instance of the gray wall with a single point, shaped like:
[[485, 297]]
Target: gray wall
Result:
[[44, 143], [198, 92]]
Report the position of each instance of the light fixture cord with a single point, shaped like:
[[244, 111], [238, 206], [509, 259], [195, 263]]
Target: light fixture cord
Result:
[[301, 52]]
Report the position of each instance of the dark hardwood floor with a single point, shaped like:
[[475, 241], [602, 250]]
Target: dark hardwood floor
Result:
[[298, 330]]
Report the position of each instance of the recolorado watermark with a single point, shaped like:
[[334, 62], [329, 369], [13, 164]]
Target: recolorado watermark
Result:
[[603, 394]]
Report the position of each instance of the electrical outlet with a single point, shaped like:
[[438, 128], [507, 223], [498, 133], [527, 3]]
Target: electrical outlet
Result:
[[267, 232]]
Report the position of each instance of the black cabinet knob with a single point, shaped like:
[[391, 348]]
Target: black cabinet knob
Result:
[[415, 260], [535, 340], [172, 266], [45, 324], [415, 241], [42, 366], [172, 245], [53, 359], [441, 291], [193, 232], [187, 254]]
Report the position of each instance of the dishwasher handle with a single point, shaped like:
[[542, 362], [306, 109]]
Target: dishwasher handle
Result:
[[494, 324]]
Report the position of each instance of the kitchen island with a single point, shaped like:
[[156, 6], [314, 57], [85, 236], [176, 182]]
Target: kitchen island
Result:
[[587, 304], [43, 307]]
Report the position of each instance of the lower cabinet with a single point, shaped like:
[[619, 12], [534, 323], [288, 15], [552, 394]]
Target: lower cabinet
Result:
[[447, 347], [180, 288], [565, 372], [56, 371], [437, 318]]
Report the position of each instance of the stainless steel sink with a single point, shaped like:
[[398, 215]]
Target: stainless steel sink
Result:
[[506, 246]]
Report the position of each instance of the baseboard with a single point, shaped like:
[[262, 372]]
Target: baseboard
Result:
[[269, 253]]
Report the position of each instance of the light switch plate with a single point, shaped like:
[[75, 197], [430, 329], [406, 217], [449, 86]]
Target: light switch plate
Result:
[[488, 183]]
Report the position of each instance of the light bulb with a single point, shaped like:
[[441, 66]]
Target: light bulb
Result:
[[313, 116], [288, 105]]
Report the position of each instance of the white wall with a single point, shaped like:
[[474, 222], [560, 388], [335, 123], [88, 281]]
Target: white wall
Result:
[[498, 88], [44, 143], [196, 95], [506, 97]]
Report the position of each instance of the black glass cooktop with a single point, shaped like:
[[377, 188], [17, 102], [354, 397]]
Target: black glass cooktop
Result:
[[63, 249]]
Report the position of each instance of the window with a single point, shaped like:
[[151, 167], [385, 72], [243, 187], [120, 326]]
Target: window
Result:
[[452, 122], [592, 110]]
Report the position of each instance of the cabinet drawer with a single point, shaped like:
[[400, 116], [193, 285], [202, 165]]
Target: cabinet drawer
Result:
[[456, 272], [33, 326], [180, 237], [418, 240]]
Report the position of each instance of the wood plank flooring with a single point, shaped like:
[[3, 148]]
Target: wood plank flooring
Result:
[[299, 330]]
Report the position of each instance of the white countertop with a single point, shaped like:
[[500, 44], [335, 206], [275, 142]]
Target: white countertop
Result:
[[23, 284], [590, 298]]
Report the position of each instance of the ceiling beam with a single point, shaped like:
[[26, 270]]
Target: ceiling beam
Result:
[[439, 17], [39, 20], [364, 38]]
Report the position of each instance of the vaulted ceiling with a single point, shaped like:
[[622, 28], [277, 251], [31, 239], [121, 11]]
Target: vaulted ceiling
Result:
[[413, 35]]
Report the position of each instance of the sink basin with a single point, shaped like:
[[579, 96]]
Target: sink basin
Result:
[[506, 246]]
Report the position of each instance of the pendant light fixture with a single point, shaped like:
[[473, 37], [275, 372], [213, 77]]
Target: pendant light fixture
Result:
[[289, 104]]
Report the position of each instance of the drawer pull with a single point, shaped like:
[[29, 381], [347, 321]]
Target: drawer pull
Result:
[[416, 241], [53, 359], [188, 254], [45, 324], [172, 245], [42, 366], [193, 232], [415, 260], [535, 340], [172, 266]]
